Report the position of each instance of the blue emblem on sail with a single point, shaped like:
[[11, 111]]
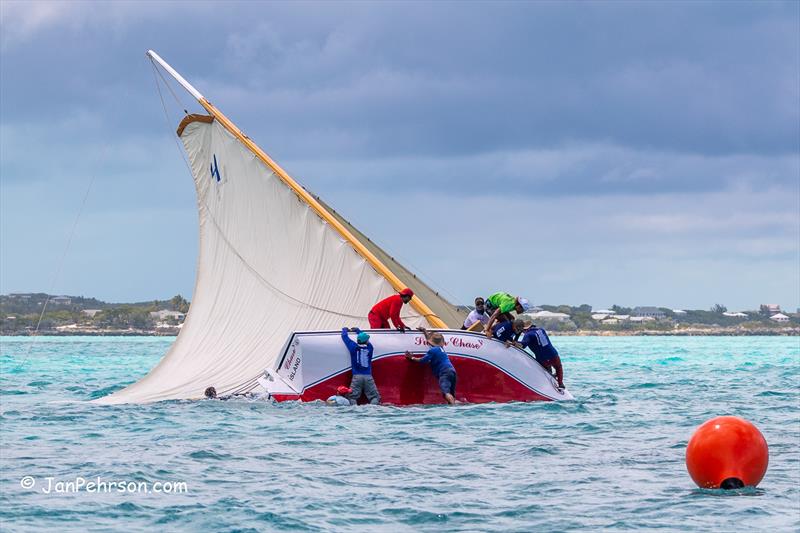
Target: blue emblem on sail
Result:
[[215, 169]]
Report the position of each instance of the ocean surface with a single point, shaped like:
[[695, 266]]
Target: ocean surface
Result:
[[611, 460]]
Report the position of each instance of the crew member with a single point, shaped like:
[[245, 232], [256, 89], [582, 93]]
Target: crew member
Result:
[[389, 309], [342, 396], [361, 365], [508, 331], [499, 305], [440, 363], [538, 342], [476, 315]]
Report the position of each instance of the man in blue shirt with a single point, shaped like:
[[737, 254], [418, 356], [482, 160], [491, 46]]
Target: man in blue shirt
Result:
[[441, 366], [536, 340], [361, 365], [508, 331]]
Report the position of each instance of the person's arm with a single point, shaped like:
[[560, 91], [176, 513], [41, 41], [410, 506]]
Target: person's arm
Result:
[[410, 357], [422, 359], [351, 346], [394, 314], [346, 338], [492, 320]]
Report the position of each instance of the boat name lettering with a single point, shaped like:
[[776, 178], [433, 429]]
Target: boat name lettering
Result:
[[458, 342], [420, 341], [295, 366], [288, 362]]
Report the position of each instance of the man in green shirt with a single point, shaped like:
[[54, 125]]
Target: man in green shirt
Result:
[[499, 305]]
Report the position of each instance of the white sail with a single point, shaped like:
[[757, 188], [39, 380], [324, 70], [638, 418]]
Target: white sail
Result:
[[268, 266], [272, 260]]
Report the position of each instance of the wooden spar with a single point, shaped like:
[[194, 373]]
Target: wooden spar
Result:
[[416, 302]]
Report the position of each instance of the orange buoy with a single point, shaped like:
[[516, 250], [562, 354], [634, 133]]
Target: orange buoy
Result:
[[727, 452]]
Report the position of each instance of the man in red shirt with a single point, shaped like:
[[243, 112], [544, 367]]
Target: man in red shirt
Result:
[[389, 308]]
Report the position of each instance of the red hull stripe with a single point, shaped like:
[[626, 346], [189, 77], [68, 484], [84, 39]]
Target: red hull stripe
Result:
[[404, 383], [460, 355]]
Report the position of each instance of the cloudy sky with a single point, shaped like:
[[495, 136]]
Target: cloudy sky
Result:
[[595, 152]]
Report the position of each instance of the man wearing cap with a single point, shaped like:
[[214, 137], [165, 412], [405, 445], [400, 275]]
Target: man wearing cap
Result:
[[342, 396], [476, 315], [361, 365], [537, 341], [440, 363], [500, 305], [389, 309]]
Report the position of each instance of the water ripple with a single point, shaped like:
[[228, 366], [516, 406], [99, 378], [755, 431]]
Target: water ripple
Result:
[[612, 459]]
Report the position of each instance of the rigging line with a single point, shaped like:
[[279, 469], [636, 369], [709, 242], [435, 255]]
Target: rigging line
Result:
[[59, 267], [169, 87], [166, 119]]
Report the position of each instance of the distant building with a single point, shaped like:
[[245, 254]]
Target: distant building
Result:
[[734, 315], [166, 313], [678, 312], [652, 312], [779, 318], [642, 319], [549, 315], [91, 312], [601, 316], [61, 300], [604, 312], [20, 296], [771, 308]]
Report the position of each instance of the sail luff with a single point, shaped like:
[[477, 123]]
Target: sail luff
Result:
[[433, 319]]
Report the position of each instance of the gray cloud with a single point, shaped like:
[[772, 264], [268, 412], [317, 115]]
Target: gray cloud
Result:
[[653, 145]]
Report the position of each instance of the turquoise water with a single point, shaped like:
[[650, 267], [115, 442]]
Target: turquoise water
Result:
[[611, 460]]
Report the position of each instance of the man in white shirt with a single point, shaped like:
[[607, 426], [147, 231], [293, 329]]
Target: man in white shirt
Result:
[[476, 315]]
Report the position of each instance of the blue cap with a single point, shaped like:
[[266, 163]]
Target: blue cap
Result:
[[362, 337]]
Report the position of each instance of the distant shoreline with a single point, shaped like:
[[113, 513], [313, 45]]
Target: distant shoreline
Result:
[[682, 332]]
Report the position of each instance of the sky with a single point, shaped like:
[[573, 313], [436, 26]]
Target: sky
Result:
[[629, 153]]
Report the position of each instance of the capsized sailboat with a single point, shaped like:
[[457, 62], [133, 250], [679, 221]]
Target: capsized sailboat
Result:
[[280, 273]]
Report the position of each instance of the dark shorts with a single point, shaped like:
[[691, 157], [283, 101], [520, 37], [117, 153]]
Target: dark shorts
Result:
[[447, 382]]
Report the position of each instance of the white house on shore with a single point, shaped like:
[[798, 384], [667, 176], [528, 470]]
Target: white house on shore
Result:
[[780, 317], [735, 315], [649, 311], [166, 313], [548, 315]]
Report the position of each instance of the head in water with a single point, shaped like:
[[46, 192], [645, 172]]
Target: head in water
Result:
[[406, 295], [210, 392], [480, 305], [362, 338]]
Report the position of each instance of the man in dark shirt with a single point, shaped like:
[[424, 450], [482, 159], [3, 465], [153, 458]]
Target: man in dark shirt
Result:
[[440, 363], [536, 340], [361, 365], [508, 331]]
